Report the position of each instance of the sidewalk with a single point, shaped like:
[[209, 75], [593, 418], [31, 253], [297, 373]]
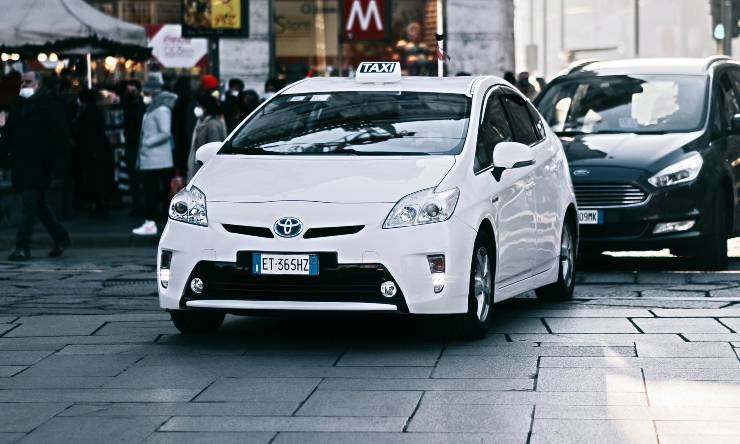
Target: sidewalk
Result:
[[87, 232]]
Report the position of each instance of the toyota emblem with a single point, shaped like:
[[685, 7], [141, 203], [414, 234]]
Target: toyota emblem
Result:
[[288, 227]]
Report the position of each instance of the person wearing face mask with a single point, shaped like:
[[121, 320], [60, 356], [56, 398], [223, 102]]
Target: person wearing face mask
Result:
[[155, 161], [231, 104], [35, 137], [210, 128]]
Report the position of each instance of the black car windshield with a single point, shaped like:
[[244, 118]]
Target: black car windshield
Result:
[[356, 123], [625, 104]]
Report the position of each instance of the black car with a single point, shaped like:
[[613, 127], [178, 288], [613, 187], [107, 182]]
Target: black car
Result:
[[654, 153]]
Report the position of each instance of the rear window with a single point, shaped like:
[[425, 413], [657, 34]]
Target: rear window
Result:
[[356, 123]]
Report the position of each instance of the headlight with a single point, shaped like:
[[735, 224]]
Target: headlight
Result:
[[423, 207], [683, 171], [189, 206]]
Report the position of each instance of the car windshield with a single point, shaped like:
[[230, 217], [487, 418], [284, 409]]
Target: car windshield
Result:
[[625, 104], [356, 123]]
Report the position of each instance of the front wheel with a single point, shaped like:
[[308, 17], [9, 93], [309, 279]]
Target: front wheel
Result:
[[474, 324], [562, 290], [197, 322]]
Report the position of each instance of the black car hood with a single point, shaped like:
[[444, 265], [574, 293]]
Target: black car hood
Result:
[[648, 152]]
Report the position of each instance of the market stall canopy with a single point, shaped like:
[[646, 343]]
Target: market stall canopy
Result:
[[29, 27]]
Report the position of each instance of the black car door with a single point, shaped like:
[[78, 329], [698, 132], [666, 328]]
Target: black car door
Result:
[[729, 87]]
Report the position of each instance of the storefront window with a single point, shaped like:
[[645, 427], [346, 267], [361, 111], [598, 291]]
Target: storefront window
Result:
[[307, 38]]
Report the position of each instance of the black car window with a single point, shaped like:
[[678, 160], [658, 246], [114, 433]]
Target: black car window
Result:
[[494, 129], [730, 105], [521, 121]]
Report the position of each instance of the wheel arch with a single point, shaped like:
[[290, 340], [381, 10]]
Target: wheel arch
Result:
[[571, 217]]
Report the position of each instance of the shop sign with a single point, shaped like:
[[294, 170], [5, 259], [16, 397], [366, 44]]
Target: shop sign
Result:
[[215, 18], [366, 19], [172, 50]]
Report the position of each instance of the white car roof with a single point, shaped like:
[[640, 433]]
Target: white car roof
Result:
[[459, 85]]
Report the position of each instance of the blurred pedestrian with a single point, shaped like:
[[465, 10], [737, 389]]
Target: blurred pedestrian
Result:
[[525, 86], [155, 153], [231, 104], [249, 100], [209, 84], [183, 122], [210, 128], [33, 137], [133, 114], [510, 77], [272, 86], [97, 156]]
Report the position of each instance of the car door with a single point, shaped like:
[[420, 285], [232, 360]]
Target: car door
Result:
[[731, 98], [511, 197]]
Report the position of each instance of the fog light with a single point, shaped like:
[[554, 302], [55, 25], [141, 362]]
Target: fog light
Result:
[[437, 267], [388, 289], [197, 285], [165, 260], [673, 227], [438, 280]]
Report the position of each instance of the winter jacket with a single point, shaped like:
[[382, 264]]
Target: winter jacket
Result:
[[208, 129], [35, 137], [155, 147]]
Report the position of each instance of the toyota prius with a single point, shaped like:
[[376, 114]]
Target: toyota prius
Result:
[[434, 196]]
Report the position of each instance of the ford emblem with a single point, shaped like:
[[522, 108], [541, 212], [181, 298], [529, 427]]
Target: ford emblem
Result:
[[288, 227], [581, 173]]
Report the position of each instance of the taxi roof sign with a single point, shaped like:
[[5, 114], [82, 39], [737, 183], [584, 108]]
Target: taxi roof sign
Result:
[[378, 72]]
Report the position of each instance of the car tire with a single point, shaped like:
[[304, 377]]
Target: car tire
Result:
[[562, 290], [197, 322], [712, 254], [474, 324]]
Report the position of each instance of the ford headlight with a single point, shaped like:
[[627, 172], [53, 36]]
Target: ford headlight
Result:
[[423, 207], [682, 171], [189, 206]]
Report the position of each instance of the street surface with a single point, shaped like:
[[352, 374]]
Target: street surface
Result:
[[637, 356]]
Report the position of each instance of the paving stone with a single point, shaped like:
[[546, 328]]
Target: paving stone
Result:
[[262, 408], [96, 395], [20, 357], [697, 313], [282, 423], [8, 438], [671, 294], [432, 417], [692, 374], [260, 389], [693, 393], [71, 365], [515, 349], [694, 438], [26, 417], [587, 398], [210, 437], [682, 325], [56, 326], [55, 343], [597, 338], [398, 438], [518, 325], [609, 278], [381, 356], [658, 303], [707, 413], [725, 276], [590, 380], [593, 431], [10, 370], [687, 350], [80, 430], [646, 277], [714, 428], [733, 323], [620, 362], [731, 293], [590, 325], [580, 312], [360, 403], [499, 384], [485, 367]]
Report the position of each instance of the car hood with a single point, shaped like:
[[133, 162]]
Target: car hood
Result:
[[638, 151], [234, 178]]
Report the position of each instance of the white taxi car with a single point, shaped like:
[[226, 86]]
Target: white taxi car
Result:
[[378, 193]]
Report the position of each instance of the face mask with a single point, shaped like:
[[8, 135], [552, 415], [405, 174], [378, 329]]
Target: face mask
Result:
[[198, 111], [235, 93], [26, 92], [147, 100]]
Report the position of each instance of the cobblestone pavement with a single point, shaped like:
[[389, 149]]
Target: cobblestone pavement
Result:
[[637, 356]]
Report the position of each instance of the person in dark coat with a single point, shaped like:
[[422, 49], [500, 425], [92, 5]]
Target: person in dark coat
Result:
[[133, 115], [34, 136], [210, 128], [97, 156], [183, 122], [231, 104]]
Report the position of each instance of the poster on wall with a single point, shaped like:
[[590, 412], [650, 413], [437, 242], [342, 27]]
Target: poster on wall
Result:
[[365, 20], [215, 18], [172, 50]]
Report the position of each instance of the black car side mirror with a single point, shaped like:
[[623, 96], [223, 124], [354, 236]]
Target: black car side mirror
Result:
[[735, 124]]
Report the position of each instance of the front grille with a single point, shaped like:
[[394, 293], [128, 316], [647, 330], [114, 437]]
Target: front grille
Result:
[[313, 233], [249, 231], [335, 283], [608, 195]]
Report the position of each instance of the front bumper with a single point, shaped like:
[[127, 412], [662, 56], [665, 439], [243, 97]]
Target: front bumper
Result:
[[352, 266]]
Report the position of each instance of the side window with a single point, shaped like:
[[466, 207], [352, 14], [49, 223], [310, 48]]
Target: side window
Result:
[[521, 121], [539, 125], [729, 100], [494, 129]]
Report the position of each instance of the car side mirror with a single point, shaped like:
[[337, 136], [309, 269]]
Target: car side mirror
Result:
[[735, 124], [510, 155], [206, 152]]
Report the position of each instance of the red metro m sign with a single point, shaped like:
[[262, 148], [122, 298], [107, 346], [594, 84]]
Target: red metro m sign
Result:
[[365, 19]]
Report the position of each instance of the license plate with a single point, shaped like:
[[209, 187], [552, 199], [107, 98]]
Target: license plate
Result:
[[590, 217], [298, 264]]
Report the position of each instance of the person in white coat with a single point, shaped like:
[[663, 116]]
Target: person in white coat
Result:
[[154, 161]]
